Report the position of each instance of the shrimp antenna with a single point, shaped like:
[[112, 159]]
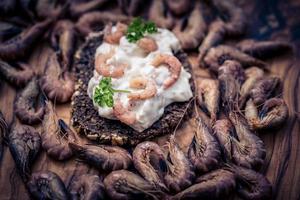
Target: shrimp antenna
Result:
[[183, 114]]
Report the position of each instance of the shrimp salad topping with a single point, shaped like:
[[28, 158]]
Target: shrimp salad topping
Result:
[[144, 76]]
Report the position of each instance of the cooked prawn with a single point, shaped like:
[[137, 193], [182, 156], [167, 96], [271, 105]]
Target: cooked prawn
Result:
[[148, 86], [149, 160], [209, 96], [114, 37], [173, 64], [147, 44], [109, 70], [253, 74], [124, 114], [273, 113]]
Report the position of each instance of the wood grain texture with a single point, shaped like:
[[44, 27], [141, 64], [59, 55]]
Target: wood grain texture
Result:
[[268, 19]]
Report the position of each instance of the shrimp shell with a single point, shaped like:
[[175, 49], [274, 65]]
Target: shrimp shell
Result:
[[47, 185], [214, 185], [273, 113], [204, 151], [219, 29], [53, 143], [63, 39], [131, 7], [86, 22], [125, 185], [263, 49], [24, 144], [103, 157], [79, 8], [249, 150], [223, 130], [253, 74], [231, 76], [150, 162], [264, 88], [173, 64], [21, 45], [87, 187], [25, 104], [194, 32], [58, 85], [159, 16], [216, 56], [180, 172], [209, 97], [253, 185], [17, 77]]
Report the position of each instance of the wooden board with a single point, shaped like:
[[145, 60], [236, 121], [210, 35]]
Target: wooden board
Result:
[[268, 19]]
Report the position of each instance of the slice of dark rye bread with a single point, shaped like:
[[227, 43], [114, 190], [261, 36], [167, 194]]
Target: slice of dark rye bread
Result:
[[85, 118]]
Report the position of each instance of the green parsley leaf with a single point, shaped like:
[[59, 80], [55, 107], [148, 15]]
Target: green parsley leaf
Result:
[[104, 93], [138, 27]]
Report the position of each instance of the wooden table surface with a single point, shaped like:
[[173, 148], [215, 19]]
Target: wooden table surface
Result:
[[268, 19]]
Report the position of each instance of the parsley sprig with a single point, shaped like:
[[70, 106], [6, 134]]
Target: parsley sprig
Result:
[[138, 27], [104, 93]]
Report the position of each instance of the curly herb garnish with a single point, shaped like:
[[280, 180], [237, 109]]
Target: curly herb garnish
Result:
[[104, 93], [138, 27]]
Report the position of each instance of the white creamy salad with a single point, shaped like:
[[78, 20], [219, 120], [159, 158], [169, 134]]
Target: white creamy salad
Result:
[[139, 65]]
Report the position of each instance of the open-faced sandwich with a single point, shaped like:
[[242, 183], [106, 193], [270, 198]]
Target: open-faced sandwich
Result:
[[133, 83]]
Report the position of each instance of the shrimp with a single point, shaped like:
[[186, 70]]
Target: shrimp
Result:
[[149, 161], [94, 21], [58, 85], [172, 63], [249, 150], [252, 185], [223, 131], [78, 8], [114, 37], [263, 49], [131, 7], [47, 9], [53, 143], [124, 114], [214, 185], [218, 55], [24, 144], [17, 76], [180, 172], [26, 102], [218, 30], [20, 46], [147, 44], [87, 187], [47, 185], [7, 7], [204, 152], [63, 40], [103, 157], [160, 16], [148, 86], [191, 36], [209, 97], [179, 7], [273, 113], [125, 185], [264, 88], [3, 133], [253, 74], [230, 75], [108, 70]]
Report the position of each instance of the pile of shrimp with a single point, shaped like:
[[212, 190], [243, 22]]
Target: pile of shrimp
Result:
[[231, 110]]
